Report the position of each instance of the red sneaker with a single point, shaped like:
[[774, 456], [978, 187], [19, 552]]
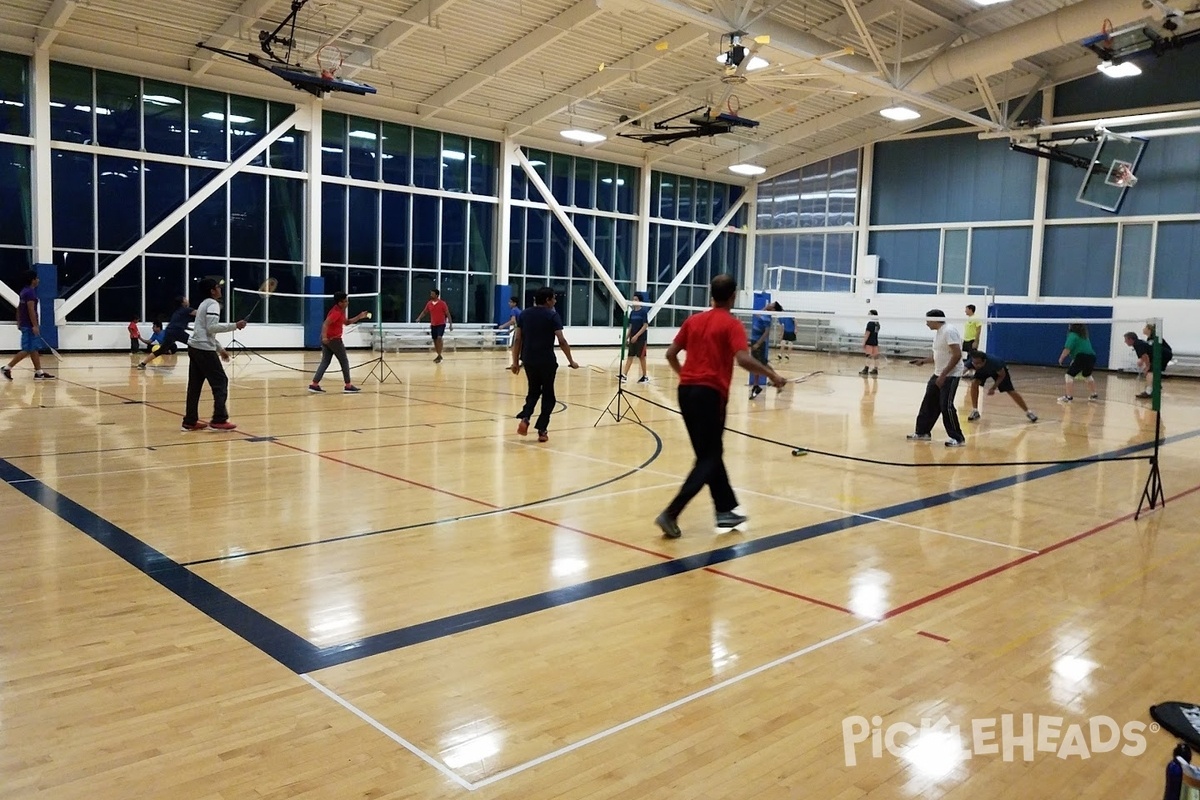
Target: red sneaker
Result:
[[543, 436], [198, 425], [523, 427], [223, 426]]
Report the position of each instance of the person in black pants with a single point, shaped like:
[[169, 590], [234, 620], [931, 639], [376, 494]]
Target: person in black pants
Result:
[[941, 388], [713, 340], [533, 345], [205, 355]]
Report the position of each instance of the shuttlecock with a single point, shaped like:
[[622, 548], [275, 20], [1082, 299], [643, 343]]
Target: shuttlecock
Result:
[[368, 315]]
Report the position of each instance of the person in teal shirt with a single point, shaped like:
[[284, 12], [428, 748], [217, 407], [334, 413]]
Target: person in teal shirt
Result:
[[1083, 360]]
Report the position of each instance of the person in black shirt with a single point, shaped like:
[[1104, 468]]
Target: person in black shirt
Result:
[[176, 331], [1144, 350], [639, 329], [871, 345], [991, 367], [533, 345]]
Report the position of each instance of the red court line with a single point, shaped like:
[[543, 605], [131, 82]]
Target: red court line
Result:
[[933, 636], [895, 612], [779, 590]]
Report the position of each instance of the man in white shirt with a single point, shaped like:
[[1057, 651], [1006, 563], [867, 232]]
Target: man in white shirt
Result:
[[205, 355], [939, 392]]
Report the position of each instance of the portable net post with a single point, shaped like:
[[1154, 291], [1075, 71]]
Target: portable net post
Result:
[[1152, 493]]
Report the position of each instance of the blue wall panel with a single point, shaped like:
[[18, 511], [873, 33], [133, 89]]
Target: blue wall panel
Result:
[[1177, 260], [907, 255], [1041, 343], [1000, 259], [950, 179], [1078, 260]]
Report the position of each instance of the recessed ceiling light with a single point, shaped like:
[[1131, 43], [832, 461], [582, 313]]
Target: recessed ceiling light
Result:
[[747, 169], [1126, 69], [588, 137], [755, 62], [900, 113]]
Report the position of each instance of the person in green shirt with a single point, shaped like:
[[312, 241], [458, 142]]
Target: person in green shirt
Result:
[[1083, 360]]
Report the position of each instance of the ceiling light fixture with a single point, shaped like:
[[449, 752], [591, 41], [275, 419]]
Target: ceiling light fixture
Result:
[[1125, 69], [899, 113], [585, 137], [756, 62], [747, 169]]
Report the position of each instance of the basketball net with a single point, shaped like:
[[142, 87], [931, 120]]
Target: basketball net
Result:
[[1123, 177], [329, 60]]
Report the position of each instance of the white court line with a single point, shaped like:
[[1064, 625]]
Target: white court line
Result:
[[595, 737], [793, 501], [418, 752]]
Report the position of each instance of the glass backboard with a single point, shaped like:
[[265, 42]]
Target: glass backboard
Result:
[[1109, 174]]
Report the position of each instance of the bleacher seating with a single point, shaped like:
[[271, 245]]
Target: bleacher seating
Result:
[[394, 337]]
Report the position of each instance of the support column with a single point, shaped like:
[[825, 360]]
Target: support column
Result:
[[862, 249], [751, 256], [641, 247], [500, 247], [1041, 191], [42, 196], [312, 310]]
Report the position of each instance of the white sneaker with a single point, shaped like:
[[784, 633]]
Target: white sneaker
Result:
[[919, 437], [1066, 398], [955, 443], [974, 415]]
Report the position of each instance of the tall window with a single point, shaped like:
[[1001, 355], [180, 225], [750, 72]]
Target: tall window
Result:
[[16, 252]]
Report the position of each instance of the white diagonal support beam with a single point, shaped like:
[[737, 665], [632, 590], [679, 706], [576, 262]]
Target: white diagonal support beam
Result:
[[989, 99], [613, 74], [557, 210], [233, 30], [418, 17], [512, 55], [691, 263], [203, 193], [872, 11], [52, 22], [864, 35]]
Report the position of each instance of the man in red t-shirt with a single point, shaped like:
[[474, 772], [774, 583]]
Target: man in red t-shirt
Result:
[[439, 317], [331, 342], [713, 341]]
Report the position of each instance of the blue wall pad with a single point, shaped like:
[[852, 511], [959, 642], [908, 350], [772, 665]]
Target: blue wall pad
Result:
[[1035, 343]]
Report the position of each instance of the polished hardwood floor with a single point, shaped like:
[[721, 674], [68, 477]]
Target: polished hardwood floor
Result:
[[392, 595]]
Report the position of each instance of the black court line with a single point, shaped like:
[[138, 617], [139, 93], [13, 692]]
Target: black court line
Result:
[[302, 656]]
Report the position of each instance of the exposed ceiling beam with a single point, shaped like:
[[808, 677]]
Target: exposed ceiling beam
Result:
[[612, 75], [52, 22], [232, 30], [989, 99], [864, 35], [518, 51], [872, 11], [416, 18]]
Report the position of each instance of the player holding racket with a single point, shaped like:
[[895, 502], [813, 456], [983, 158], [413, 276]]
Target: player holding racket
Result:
[[27, 322], [205, 355], [331, 342]]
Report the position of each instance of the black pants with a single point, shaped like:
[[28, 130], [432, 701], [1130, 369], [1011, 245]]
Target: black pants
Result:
[[541, 384], [335, 348], [135, 345], [940, 401], [205, 365], [704, 415]]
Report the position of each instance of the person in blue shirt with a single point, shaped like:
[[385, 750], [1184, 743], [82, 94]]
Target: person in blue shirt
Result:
[[760, 341], [788, 325], [635, 343], [176, 332], [537, 329], [514, 311]]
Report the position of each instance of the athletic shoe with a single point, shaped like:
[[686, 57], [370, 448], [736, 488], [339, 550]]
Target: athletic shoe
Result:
[[43, 376], [644, 379], [351, 389], [668, 526], [622, 378], [728, 520], [198, 425], [874, 372], [1093, 397], [543, 436], [316, 388], [141, 366], [865, 371], [4, 370], [437, 360], [919, 437], [1143, 395], [222, 426], [1032, 416], [974, 415], [522, 426], [956, 443], [1066, 398], [755, 392]]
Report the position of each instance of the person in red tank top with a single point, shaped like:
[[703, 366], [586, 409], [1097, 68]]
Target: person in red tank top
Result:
[[713, 340], [439, 317]]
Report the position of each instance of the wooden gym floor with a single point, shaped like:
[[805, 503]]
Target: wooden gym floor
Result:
[[393, 595]]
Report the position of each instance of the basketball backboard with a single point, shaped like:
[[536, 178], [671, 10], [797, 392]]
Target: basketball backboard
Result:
[[1111, 171]]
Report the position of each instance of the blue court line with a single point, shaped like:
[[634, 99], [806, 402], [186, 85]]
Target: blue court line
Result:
[[302, 656]]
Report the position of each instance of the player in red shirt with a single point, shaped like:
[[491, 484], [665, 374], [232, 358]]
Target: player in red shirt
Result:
[[331, 342], [713, 341], [439, 317]]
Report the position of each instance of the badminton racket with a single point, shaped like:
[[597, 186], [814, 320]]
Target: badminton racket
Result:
[[57, 355], [268, 286]]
